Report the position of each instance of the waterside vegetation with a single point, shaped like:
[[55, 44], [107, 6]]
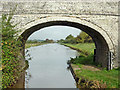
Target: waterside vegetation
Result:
[[91, 74], [11, 61], [32, 43]]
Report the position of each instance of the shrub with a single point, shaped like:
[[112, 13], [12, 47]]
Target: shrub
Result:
[[10, 51]]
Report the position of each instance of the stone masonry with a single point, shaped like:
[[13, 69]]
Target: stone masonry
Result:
[[98, 19]]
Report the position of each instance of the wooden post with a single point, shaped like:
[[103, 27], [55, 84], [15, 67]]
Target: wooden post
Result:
[[109, 67], [94, 55]]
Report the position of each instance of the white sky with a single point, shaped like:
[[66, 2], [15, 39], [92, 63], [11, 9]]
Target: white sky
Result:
[[54, 32]]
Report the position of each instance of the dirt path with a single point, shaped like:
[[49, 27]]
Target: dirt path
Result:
[[88, 67]]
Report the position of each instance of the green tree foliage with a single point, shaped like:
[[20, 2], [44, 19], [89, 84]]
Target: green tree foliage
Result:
[[10, 52], [32, 41], [7, 28], [48, 41], [81, 38], [69, 37], [60, 41]]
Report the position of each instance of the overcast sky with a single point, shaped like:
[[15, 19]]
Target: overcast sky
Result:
[[54, 32], [60, 0]]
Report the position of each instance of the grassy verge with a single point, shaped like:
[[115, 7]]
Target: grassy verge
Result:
[[90, 74], [83, 48], [104, 78], [28, 45]]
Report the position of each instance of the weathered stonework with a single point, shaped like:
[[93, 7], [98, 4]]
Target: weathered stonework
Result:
[[98, 19]]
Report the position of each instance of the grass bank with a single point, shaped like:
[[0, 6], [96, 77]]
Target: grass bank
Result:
[[28, 45], [90, 74], [93, 77], [83, 48]]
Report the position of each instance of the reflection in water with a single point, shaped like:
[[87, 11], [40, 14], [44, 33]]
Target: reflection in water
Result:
[[48, 67], [27, 73], [27, 77]]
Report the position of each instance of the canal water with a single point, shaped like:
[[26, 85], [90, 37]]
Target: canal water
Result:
[[48, 67]]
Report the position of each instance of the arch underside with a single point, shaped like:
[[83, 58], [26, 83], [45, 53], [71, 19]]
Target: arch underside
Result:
[[102, 47]]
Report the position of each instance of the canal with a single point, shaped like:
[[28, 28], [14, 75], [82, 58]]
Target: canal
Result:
[[48, 67]]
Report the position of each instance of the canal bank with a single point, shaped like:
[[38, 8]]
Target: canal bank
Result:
[[28, 45], [77, 49], [90, 74], [82, 82]]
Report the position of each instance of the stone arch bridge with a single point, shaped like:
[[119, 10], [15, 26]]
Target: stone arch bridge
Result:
[[98, 19]]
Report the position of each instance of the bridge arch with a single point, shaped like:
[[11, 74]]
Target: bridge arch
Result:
[[100, 37]]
